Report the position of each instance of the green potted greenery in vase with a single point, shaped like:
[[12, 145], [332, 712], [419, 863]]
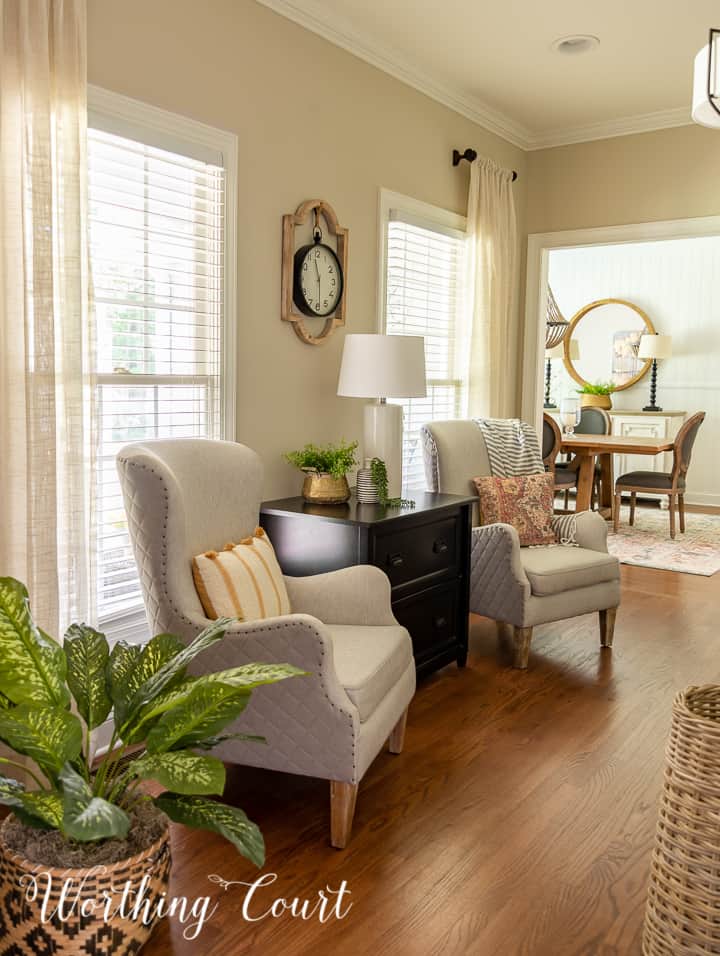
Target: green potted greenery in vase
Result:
[[597, 395], [84, 830], [325, 470]]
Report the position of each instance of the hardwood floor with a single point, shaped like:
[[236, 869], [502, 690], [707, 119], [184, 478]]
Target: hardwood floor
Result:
[[517, 822]]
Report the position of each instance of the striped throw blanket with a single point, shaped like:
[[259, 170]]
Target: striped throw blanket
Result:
[[513, 450], [512, 447]]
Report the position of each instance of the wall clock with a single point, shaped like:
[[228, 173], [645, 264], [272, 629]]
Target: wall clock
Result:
[[314, 274]]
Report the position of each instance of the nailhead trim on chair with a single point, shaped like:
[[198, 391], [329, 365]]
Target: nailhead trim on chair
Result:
[[251, 630]]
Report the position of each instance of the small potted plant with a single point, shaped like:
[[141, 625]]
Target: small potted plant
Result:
[[597, 395], [325, 470], [86, 831]]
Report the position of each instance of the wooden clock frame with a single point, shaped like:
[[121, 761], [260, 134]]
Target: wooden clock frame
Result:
[[288, 312]]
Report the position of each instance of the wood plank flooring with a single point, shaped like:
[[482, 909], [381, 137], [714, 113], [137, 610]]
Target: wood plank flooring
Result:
[[517, 822]]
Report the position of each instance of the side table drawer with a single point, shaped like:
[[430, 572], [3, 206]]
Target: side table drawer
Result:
[[430, 616], [419, 552]]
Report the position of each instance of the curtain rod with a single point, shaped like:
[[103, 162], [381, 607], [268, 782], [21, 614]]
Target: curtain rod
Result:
[[471, 155]]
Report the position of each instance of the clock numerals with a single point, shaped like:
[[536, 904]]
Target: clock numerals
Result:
[[319, 281]]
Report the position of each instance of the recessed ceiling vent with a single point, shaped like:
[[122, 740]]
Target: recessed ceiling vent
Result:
[[573, 45]]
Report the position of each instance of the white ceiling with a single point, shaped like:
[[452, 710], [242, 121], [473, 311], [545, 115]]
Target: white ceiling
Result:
[[493, 60]]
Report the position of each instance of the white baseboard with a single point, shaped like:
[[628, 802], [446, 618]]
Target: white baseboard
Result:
[[703, 499]]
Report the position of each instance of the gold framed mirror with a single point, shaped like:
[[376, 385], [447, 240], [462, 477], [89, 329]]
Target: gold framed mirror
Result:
[[607, 336]]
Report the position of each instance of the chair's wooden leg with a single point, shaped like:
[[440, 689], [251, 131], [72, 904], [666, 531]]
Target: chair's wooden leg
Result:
[[522, 636], [342, 810], [671, 506], [633, 502], [616, 512], [681, 512], [397, 736], [607, 626]]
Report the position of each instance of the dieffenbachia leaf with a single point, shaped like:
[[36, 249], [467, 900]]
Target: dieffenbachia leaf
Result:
[[131, 666], [210, 743], [248, 676], [48, 735], [36, 808], [245, 677], [174, 668], [229, 822], [32, 665], [87, 654], [182, 771], [207, 709], [85, 817]]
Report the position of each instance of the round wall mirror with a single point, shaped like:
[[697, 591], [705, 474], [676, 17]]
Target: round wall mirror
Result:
[[606, 336]]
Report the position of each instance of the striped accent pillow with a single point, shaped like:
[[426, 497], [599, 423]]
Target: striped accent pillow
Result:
[[242, 581]]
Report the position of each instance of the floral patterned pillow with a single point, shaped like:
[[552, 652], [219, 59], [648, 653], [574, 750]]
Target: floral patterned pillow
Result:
[[525, 502]]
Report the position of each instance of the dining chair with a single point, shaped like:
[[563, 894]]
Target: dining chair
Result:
[[593, 421], [670, 483], [564, 478]]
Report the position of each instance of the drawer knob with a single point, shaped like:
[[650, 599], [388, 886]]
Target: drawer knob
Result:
[[396, 560], [440, 622], [440, 546]]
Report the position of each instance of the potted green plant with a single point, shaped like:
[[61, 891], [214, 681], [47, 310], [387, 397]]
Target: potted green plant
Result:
[[89, 825], [596, 395], [326, 469]]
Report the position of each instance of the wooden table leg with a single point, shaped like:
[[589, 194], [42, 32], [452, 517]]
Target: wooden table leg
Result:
[[607, 480], [585, 476]]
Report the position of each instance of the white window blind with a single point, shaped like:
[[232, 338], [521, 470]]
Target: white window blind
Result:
[[424, 295], [157, 260]]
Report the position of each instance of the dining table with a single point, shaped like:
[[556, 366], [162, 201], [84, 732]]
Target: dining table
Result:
[[589, 448]]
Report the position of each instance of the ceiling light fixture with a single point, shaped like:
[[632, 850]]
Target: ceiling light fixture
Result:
[[706, 83], [577, 43]]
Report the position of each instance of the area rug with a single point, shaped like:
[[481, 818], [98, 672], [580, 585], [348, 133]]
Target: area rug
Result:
[[649, 545]]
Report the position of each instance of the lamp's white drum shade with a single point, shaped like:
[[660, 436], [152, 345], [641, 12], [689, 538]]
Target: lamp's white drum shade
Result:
[[655, 347], [383, 366], [702, 111]]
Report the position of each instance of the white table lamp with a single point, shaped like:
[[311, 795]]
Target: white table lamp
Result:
[[382, 367], [654, 347]]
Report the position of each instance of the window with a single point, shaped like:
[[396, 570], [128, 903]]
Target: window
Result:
[[423, 294], [157, 260]]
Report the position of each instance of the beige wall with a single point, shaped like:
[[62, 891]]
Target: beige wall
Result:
[[312, 121], [667, 174]]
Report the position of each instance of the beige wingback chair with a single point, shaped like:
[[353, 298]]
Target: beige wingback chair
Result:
[[186, 496], [523, 586]]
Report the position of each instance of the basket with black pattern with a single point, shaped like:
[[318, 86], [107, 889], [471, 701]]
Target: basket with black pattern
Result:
[[24, 933]]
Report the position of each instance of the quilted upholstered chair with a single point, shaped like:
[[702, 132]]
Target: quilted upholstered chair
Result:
[[186, 496], [523, 587]]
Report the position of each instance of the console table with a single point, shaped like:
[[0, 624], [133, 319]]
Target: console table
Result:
[[425, 552]]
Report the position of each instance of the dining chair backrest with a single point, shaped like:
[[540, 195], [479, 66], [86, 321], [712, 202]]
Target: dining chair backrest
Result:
[[683, 446], [594, 421], [551, 441]]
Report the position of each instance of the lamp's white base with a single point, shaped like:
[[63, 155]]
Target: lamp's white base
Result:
[[383, 439]]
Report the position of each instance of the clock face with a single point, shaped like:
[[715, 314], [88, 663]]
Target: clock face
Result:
[[318, 285]]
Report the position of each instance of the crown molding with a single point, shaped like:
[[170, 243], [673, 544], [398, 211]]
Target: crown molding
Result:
[[625, 126], [316, 18]]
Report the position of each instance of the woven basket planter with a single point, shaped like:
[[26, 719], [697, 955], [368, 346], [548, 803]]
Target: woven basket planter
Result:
[[23, 932], [683, 908]]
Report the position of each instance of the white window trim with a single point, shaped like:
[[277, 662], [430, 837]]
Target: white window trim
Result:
[[168, 130], [387, 200]]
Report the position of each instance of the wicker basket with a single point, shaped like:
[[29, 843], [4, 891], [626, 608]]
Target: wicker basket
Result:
[[23, 932], [683, 907]]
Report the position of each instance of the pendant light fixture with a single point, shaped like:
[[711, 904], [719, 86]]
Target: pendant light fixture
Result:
[[706, 83]]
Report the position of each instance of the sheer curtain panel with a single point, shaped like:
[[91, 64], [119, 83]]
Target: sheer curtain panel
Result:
[[46, 347], [494, 353]]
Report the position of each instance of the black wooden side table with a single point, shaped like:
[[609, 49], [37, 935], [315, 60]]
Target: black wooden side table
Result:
[[425, 551]]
